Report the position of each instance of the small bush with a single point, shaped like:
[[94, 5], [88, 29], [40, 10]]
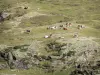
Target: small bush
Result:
[[45, 64], [22, 48], [71, 53], [56, 54], [55, 46]]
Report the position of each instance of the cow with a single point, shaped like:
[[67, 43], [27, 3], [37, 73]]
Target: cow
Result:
[[61, 26], [28, 31], [80, 26], [68, 24], [65, 28], [48, 36], [53, 27]]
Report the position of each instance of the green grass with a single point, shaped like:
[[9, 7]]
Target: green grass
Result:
[[34, 71], [90, 32], [40, 21]]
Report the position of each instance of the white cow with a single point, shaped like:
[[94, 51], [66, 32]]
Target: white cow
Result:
[[46, 36], [53, 27]]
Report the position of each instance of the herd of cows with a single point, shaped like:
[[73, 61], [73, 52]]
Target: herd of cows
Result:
[[63, 27]]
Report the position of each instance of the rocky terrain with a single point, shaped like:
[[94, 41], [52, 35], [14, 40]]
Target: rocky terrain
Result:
[[45, 37]]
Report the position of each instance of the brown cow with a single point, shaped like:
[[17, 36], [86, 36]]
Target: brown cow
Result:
[[65, 28]]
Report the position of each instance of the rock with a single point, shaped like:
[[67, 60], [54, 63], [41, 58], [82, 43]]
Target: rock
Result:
[[21, 64], [3, 66]]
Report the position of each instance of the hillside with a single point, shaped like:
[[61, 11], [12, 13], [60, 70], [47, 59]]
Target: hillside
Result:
[[49, 37]]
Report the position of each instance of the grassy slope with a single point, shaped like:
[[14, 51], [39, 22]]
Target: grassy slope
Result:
[[82, 11]]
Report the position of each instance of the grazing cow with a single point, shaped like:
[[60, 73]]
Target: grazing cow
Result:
[[68, 24], [82, 26], [65, 28], [61, 26], [79, 26], [28, 31], [54, 27], [48, 36]]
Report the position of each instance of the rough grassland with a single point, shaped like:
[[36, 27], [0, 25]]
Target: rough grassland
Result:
[[44, 13]]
